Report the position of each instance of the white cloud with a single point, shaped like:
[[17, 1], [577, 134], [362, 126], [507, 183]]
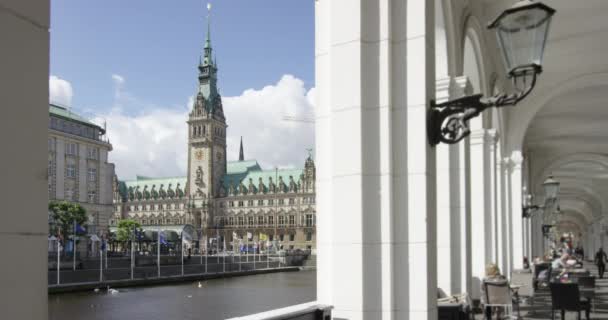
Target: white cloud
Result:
[[60, 91], [118, 79], [155, 143], [257, 115], [119, 84], [151, 144]]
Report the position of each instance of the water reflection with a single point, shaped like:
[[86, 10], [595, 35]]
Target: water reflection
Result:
[[216, 299]]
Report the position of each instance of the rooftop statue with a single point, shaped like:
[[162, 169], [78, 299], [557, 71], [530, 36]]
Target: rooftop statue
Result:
[[170, 191], [154, 192], [162, 193]]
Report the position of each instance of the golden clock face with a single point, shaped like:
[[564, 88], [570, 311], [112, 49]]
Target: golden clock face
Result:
[[199, 155]]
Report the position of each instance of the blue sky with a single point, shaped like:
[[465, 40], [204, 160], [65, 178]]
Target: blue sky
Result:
[[155, 45], [132, 64]]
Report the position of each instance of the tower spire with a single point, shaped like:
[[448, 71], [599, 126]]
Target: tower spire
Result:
[[208, 73], [208, 39], [241, 153]]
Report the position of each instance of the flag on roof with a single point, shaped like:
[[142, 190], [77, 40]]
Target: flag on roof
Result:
[[161, 238], [79, 228], [186, 236]]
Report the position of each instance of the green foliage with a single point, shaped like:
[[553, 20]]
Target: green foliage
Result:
[[125, 229], [65, 213]]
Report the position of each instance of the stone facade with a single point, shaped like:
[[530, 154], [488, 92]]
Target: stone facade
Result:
[[223, 199], [78, 168]]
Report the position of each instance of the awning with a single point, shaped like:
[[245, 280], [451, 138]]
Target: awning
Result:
[[172, 232]]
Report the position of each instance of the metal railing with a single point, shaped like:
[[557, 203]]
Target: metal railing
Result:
[[121, 266]]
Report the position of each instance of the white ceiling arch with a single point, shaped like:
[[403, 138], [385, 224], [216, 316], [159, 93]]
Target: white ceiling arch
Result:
[[575, 217], [574, 60], [570, 226], [581, 206], [521, 118], [583, 181], [569, 159]]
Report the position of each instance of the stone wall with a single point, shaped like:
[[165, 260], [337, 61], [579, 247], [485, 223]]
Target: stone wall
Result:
[[24, 61]]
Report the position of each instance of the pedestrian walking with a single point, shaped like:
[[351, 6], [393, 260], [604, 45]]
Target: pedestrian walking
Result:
[[600, 261]]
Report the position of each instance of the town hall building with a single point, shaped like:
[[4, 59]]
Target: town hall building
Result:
[[227, 202]]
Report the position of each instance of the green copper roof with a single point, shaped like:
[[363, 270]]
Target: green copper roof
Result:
[[242, 166], [251, 170], [148, 181], [151, 185], [62, 112]]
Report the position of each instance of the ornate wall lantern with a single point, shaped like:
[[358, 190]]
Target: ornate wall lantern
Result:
[[521, 33], [551, 187], [547, 229]]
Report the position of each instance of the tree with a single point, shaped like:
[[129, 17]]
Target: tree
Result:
[[125, 229], [65, 213]]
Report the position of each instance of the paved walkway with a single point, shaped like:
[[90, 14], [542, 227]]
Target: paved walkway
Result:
[[541, 308]]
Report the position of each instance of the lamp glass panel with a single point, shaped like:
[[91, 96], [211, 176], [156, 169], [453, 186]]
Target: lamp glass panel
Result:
[[551, 189], [522, 36]]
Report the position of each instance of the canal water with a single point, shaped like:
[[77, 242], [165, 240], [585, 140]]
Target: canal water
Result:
[[217, 299]]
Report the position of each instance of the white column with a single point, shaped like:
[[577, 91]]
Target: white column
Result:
[[507, 218], [465, 216], [516, 205], [446, 268], [538, 242], [481, 207], [529, 235], [492, 141], [24, 79], [525, 236], [597, 236], [415, 253], [591, 245], [588, 244], [376, 170], [499, 209], [451, 201], [506, 214]]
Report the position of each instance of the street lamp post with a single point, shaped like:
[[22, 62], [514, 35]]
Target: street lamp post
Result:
[[521, 32]]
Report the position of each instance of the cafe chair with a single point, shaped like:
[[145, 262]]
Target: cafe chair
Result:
[[538, 269], [498, 294], [567, 297], [587, 283], [525, 294]]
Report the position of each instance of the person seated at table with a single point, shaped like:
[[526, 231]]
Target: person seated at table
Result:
[[561, 262], [492, 275]]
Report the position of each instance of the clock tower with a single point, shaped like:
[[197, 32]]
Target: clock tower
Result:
[[206, 141]]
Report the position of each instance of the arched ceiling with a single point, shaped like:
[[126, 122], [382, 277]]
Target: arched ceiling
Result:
[[568, 90], [565, 119], [566, 226], [572, 122]]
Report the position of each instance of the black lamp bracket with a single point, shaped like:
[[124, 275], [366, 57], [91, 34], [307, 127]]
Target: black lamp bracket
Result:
[[528, 211], [448, 121]]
